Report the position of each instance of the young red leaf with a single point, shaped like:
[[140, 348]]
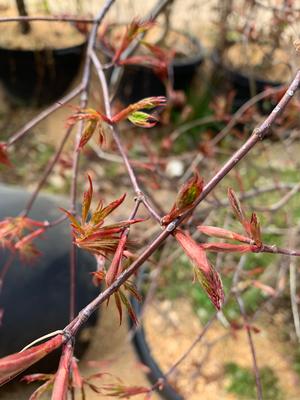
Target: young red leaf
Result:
[[205, 272], [136, 116], [124, 392], [222, 233], [119, 305], [163, 59], [102, 213], [227, 247], [112, 272], [40, 391], [186, 197], [131, 288], [36, 377], [238, 210], [86, 202], [77, 380], [94, 122], [98, 277], [88, 131], [14, 364], [3, 156], [135, 28], [255, 230], [128, 306], [27, 251], [142, 119]]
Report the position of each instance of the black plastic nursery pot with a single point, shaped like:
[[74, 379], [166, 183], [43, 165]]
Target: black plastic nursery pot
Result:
[[139, 81], [144, 352], [143, 349], [35, 299], [242, 84], [39, 77]]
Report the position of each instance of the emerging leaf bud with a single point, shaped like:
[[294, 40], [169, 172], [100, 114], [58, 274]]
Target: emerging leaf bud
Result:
[[186, 198]]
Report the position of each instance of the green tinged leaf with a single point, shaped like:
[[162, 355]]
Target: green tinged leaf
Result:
[[142, 119], [129, 308], [119, 305], [87, 199]]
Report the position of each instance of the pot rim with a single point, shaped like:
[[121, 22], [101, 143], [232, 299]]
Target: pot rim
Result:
[[45, 50], [216, 59], [144, 352]]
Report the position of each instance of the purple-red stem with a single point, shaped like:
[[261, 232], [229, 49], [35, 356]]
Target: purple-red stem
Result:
[[47, 172], [49, 110], [83, 102]]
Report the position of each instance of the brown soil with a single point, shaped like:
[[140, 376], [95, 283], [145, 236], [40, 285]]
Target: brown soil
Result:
[[169, 335], [256, 59], [43, 35]]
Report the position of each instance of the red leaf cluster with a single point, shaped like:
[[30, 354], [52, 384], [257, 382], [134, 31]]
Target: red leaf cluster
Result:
[[90, 234], [95, 122], [186, 198], [252, 241], [206, 274], [18, 233], [135, 28], [3, 156]]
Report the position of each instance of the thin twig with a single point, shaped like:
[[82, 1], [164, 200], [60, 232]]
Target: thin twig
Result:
[[83, 102], [252, 347], [45, 113], [47, 18], [46, 173]]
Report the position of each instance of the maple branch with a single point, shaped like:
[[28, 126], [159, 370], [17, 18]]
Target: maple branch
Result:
[[61, 382], [46, 173], [118, 70], [83, 103], [293, 235], [239, 113], [47, 18], [258, 135], [114, 129], [42, 115]]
